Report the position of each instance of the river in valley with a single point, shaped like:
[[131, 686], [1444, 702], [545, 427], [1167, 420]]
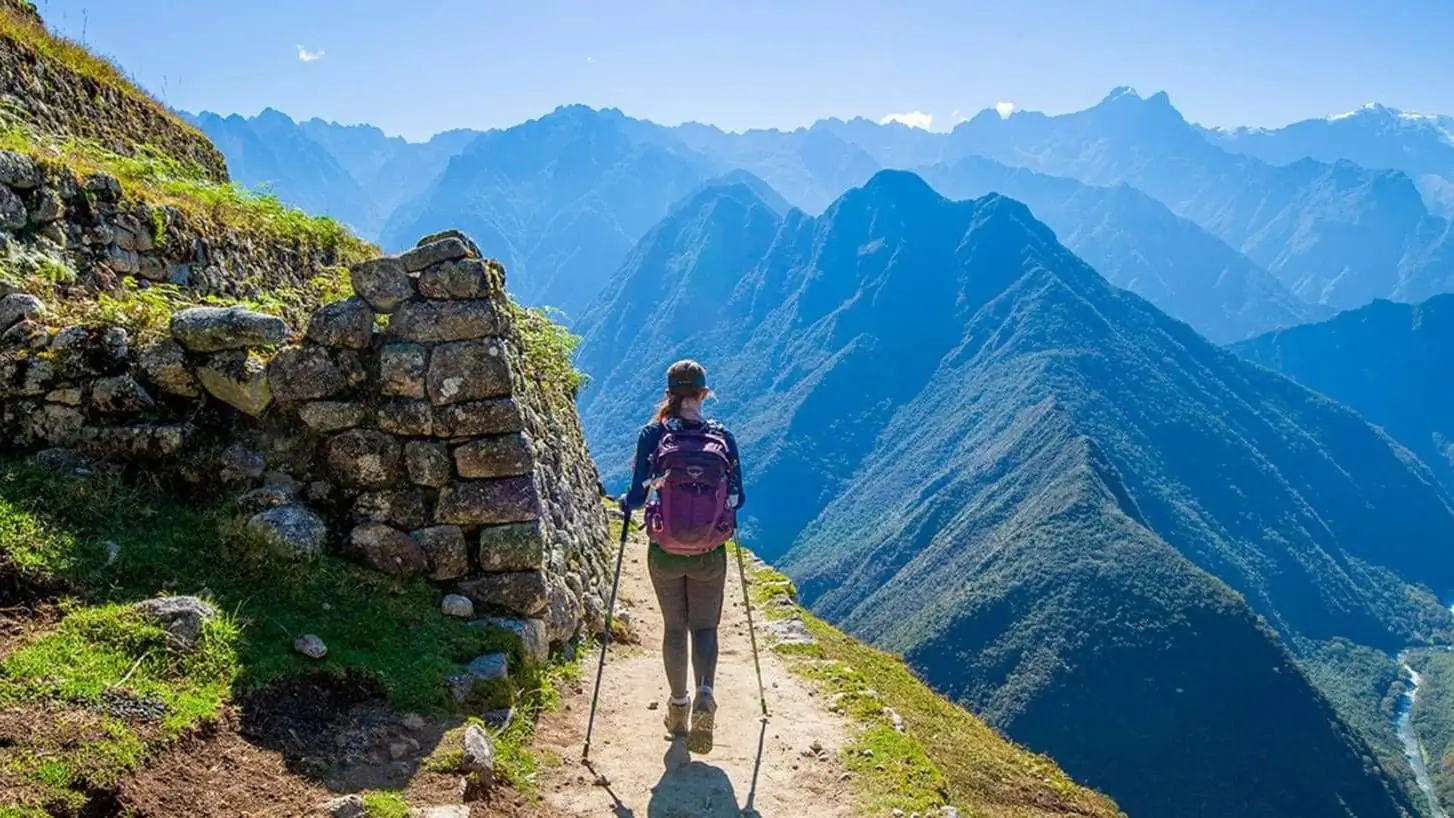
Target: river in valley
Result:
[[1413, 750]]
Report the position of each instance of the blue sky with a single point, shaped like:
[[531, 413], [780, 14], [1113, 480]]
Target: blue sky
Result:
[[416, 68]]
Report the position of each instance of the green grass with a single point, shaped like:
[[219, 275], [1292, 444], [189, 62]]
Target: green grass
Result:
[[945, 755], [549, 347], [385, 805], [56, 528]]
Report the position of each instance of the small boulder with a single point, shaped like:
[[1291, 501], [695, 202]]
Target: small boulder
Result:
[[290, 531], [311, 646], [435, 252], [261, 499], [478, 761], [532, 633], [383, 283], [12, 210], [214, 329], [326, 416], [19, 171], [453, 233], [461, 279], [182, 617], [345, 324], [18, 307], [480, 678], [427, 462], [365, 458], [346, 806], [457, 606]]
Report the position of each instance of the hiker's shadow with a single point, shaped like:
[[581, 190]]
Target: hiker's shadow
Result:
[[693, 789]]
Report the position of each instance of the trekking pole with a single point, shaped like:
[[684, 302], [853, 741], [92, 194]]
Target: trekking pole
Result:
[[751, 631], [606, 637]]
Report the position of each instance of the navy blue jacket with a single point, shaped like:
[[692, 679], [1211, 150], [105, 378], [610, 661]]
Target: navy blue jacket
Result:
[[646, 444]]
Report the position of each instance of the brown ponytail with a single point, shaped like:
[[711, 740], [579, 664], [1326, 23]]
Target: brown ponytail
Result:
[[684, 379]]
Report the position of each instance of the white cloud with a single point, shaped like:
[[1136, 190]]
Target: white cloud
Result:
[[1004, 109], [589, 58], [914, 119], [309, 56]]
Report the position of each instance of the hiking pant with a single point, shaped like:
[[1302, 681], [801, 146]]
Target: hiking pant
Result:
[[689, 591]]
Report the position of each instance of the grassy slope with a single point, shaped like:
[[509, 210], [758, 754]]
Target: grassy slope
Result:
[[55, 529], [139, 120], [945, 755]]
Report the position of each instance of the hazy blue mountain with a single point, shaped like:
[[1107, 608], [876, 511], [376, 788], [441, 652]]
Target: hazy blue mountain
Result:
[[560, 200], [1137, 243], [760, 188], [390, 169], [1059, 504], [809, 167], [1375, 136], [271, 151], [1391, 362], [891, 144], [1335, 234]]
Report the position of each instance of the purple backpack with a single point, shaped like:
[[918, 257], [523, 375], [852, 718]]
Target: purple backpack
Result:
[[689, 515]]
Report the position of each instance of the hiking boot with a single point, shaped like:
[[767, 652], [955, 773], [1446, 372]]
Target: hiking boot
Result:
[[704, 718], [676, 718]]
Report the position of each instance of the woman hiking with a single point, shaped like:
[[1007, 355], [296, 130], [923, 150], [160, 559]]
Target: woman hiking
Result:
[[689, 469]]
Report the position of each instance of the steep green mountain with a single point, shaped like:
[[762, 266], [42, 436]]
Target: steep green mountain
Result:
[[810, 166], [1374, 136], [560, 200], [1335, 234], [1137, 243], [1063, 507], [270, 151], [1390, 362]]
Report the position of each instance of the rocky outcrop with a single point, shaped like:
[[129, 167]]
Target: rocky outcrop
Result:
[[406, 428], [67, 91]]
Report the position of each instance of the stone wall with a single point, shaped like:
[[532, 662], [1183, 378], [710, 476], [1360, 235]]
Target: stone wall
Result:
[[402, 427], [49, 216], [64, 90]]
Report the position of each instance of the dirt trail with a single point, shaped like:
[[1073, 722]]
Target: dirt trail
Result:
[[653, 777]]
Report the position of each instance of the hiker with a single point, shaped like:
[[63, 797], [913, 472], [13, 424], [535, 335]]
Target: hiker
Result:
[[690, 468]]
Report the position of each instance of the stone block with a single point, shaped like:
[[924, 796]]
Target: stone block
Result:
[[365, 458], [410, 418], [495, 456], [488, 502], [383, 283], [306, 372], [433, 322], [497, 416], [387, 549], [119, 394], [237, 379], [402, 369], [405, 508], [520, 592], [164, 365], [344, 324], [214, 329], [326, 416], [444, 546], [428, 463], [435, 252], [512, 547], [468, 371], [462, 279]]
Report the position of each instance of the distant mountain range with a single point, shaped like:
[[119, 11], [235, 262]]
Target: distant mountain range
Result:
[[1101, 531], [563, 198]]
